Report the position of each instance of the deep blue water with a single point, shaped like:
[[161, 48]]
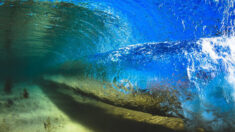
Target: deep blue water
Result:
[[187, 46]]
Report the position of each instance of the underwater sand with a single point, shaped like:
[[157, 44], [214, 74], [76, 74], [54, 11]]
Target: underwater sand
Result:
[[49, 109], [34, 114]]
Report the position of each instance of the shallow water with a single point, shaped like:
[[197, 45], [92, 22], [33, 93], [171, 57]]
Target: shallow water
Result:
[[159, 65]]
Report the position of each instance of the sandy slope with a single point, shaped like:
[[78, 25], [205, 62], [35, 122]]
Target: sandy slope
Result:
[[108, 93], [35, 114], [53, 109]]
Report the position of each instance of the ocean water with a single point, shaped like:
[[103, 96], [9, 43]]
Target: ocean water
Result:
[[169, 58]]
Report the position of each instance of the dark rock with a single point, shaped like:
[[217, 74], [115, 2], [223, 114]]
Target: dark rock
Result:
[[25, 94]]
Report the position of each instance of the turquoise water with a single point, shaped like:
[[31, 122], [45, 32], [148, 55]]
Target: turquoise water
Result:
[[163, 49]]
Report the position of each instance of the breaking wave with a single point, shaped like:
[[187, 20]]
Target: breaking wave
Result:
[[184, 47]]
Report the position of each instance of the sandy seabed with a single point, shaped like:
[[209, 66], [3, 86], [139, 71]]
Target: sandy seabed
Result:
[[34, 114], [51, 109]]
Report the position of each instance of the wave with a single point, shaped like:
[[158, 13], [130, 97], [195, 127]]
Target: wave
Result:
[[185, 47]]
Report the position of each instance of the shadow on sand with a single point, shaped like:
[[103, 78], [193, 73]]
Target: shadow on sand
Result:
[[91, 116]]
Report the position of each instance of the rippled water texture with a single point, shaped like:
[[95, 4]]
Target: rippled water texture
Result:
[[172, 58]]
